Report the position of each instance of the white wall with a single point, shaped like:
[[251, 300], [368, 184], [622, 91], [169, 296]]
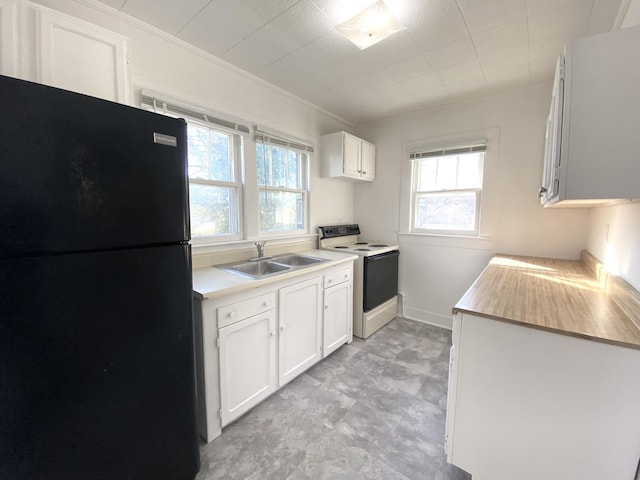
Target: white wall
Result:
[[176, 69], [436, 271], [614, 238], [614, 233]]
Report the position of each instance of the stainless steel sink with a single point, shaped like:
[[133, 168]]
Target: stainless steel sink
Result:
[[295, 260], [258, 269], [269, 266]]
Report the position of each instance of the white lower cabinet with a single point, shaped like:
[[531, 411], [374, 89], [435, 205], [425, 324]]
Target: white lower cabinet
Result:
[[254, 342], [300, 324], [530, 404], [247, 364], [338, 311]]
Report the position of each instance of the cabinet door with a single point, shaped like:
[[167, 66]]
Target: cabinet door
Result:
[[83, 58], [247, 364], [300, 323], [8, 40], [368, 163], [351, 155], [338, 315]]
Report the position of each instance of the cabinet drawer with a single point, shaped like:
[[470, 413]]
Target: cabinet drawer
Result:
[[334, 278], [234, 312]]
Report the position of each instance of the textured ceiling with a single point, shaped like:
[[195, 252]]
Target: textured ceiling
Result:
[[450, 50]]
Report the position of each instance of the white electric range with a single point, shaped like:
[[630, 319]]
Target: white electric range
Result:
[[375, 276]]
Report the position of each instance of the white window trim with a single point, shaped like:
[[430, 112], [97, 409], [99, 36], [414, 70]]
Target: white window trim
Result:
[[238, 185], [306, 151], [489, 200]]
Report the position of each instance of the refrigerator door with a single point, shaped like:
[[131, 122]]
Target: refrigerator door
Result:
[[78, 173], [97, 366]]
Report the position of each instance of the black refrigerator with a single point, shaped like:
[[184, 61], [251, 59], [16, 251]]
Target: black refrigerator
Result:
[[96, 335]]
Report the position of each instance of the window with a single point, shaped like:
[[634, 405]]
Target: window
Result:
[[282, 184], [214, 169], [446, 190], [214, 187]]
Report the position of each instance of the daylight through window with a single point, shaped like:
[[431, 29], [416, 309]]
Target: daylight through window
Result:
[[447, 190], [282, 187], [214, 187]]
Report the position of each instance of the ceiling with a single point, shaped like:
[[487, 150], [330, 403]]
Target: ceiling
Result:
[[451, 50]]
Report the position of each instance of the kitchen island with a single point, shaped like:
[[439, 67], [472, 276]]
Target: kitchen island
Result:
[[545, 373]]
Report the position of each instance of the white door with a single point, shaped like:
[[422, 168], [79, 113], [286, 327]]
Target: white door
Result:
[[338, 314], [247, 364], [368, 163], [300, 324], [351, 155], [82, 57]]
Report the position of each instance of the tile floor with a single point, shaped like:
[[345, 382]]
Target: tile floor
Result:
[[372, 410]]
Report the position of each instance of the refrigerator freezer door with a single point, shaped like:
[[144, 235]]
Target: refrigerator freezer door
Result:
[[78, 173], [96, 362]]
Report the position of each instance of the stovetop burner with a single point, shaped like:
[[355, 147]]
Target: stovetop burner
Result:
[[344, 238]]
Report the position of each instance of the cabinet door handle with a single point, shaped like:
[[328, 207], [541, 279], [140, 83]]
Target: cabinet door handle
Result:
[[282, 328], [272, 333], [364, 172], [329, 281], [326, 307]]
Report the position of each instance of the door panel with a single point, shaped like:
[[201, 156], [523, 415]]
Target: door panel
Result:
[[78, 173], [96, 355]]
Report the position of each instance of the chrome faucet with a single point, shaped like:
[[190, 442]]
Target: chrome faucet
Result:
[[260, 248]]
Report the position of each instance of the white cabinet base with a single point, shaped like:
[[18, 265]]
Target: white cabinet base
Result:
[[531, 405]]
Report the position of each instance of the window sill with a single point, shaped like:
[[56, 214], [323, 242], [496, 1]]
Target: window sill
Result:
[[480, 242]]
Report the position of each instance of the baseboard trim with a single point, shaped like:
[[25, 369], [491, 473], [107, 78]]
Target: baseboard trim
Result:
[[430, 318]]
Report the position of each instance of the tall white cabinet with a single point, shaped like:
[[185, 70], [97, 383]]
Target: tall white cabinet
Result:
[[81, 57], [46, 46]]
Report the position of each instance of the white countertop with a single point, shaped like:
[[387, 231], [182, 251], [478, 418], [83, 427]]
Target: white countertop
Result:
[[211, 282]]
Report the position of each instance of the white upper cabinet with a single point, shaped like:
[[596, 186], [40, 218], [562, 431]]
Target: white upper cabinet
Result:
[[347, 156], [592, 132], [78, 56]]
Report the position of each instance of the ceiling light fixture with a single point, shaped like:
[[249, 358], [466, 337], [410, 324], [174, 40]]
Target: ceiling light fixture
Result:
[[372, 25]]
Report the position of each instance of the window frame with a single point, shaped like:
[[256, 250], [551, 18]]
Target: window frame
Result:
[[416, 160], [237, 150], [304, 167]]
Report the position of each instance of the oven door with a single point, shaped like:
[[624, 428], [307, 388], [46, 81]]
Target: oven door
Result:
[[380, 279]]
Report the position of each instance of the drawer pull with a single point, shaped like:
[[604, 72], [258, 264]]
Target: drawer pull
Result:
[[231, 314], [265, 303]]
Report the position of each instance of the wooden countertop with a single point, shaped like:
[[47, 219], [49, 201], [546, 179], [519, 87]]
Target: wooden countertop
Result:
[[571, 297]]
